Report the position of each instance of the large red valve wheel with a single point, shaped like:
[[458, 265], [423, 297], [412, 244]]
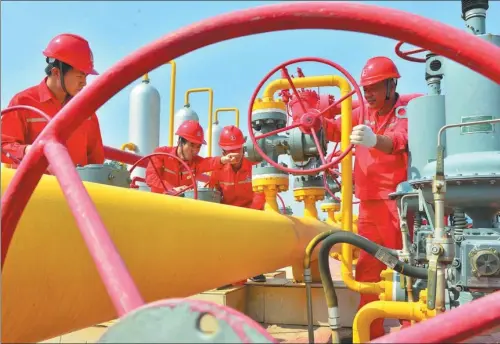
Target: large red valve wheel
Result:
[[309, 121], [406, 55], [457, 45], [167, 187]]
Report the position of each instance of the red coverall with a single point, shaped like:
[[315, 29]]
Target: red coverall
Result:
[[21, 128], [377, 174], [236, 186], [173, 172]]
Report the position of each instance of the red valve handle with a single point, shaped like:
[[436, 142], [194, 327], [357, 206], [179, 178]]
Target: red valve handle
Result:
[[309, 122], [405, 55], [166, 186]]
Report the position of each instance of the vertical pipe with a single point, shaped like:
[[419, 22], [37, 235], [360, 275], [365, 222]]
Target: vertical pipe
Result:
[[210, 112], [173, 78]]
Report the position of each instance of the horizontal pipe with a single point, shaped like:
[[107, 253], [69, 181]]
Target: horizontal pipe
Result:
[[120, 155], [454, 326], [50, 285]]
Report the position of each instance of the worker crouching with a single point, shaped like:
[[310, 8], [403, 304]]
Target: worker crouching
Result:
[[234, 181], [168, 171]]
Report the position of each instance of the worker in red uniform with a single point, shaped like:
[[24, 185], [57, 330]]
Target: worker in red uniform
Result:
[[69, 62], [235, 181], [381, 142], [173, 175]]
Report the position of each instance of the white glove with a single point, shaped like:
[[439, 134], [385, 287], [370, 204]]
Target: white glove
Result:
[[363, 135]]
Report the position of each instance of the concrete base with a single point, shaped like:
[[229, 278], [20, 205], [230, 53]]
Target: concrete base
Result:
[[277, 303]]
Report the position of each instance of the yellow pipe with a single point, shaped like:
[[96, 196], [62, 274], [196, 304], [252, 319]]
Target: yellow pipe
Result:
[[236, 112], [310, 209], [346, 127], [173, 79], [416, 311], [271, 200], [210, 111], [50, 285], [129, 146], [346, 165]]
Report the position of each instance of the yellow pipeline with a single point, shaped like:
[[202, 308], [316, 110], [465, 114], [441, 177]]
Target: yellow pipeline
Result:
[[416, 311], [172, 99], [236, 112], [210, 112], [50, 285]]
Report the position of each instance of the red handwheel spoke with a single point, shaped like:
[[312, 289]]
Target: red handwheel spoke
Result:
[[114, 274], [295, 93], [277, 131], [336, 103]]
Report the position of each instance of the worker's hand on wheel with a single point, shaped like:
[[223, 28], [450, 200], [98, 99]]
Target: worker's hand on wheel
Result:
[[363, 135], [230, 158]]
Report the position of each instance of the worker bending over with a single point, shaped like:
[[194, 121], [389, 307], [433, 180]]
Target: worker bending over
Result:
[[380, 165], [172, 173], [235, 181], [69, 61]]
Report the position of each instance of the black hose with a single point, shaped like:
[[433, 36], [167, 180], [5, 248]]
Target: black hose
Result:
[[383, 254]]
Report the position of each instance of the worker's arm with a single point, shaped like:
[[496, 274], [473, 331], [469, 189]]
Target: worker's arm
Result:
[[13, 134], [395, 141], [391, 142], [211, 164], [154, 170], [95, 147], [258, 201], [208, 164], [333, 126]]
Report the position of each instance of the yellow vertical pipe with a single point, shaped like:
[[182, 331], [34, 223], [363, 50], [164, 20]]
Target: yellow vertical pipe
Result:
[[310, 209], [210, 112], [173, 79], [236, 112], [271, 200], [172, 102]]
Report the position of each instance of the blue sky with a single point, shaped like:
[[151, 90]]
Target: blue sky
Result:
[[233, 68]]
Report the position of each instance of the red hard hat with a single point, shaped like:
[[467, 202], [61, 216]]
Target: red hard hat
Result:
[[73, 50], [192, 131], [378, 69], [231, 138]]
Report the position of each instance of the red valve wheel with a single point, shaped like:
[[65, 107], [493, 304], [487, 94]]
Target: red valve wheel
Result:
[[309, 121], [475, 53], [405, 55], [166, 186]]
